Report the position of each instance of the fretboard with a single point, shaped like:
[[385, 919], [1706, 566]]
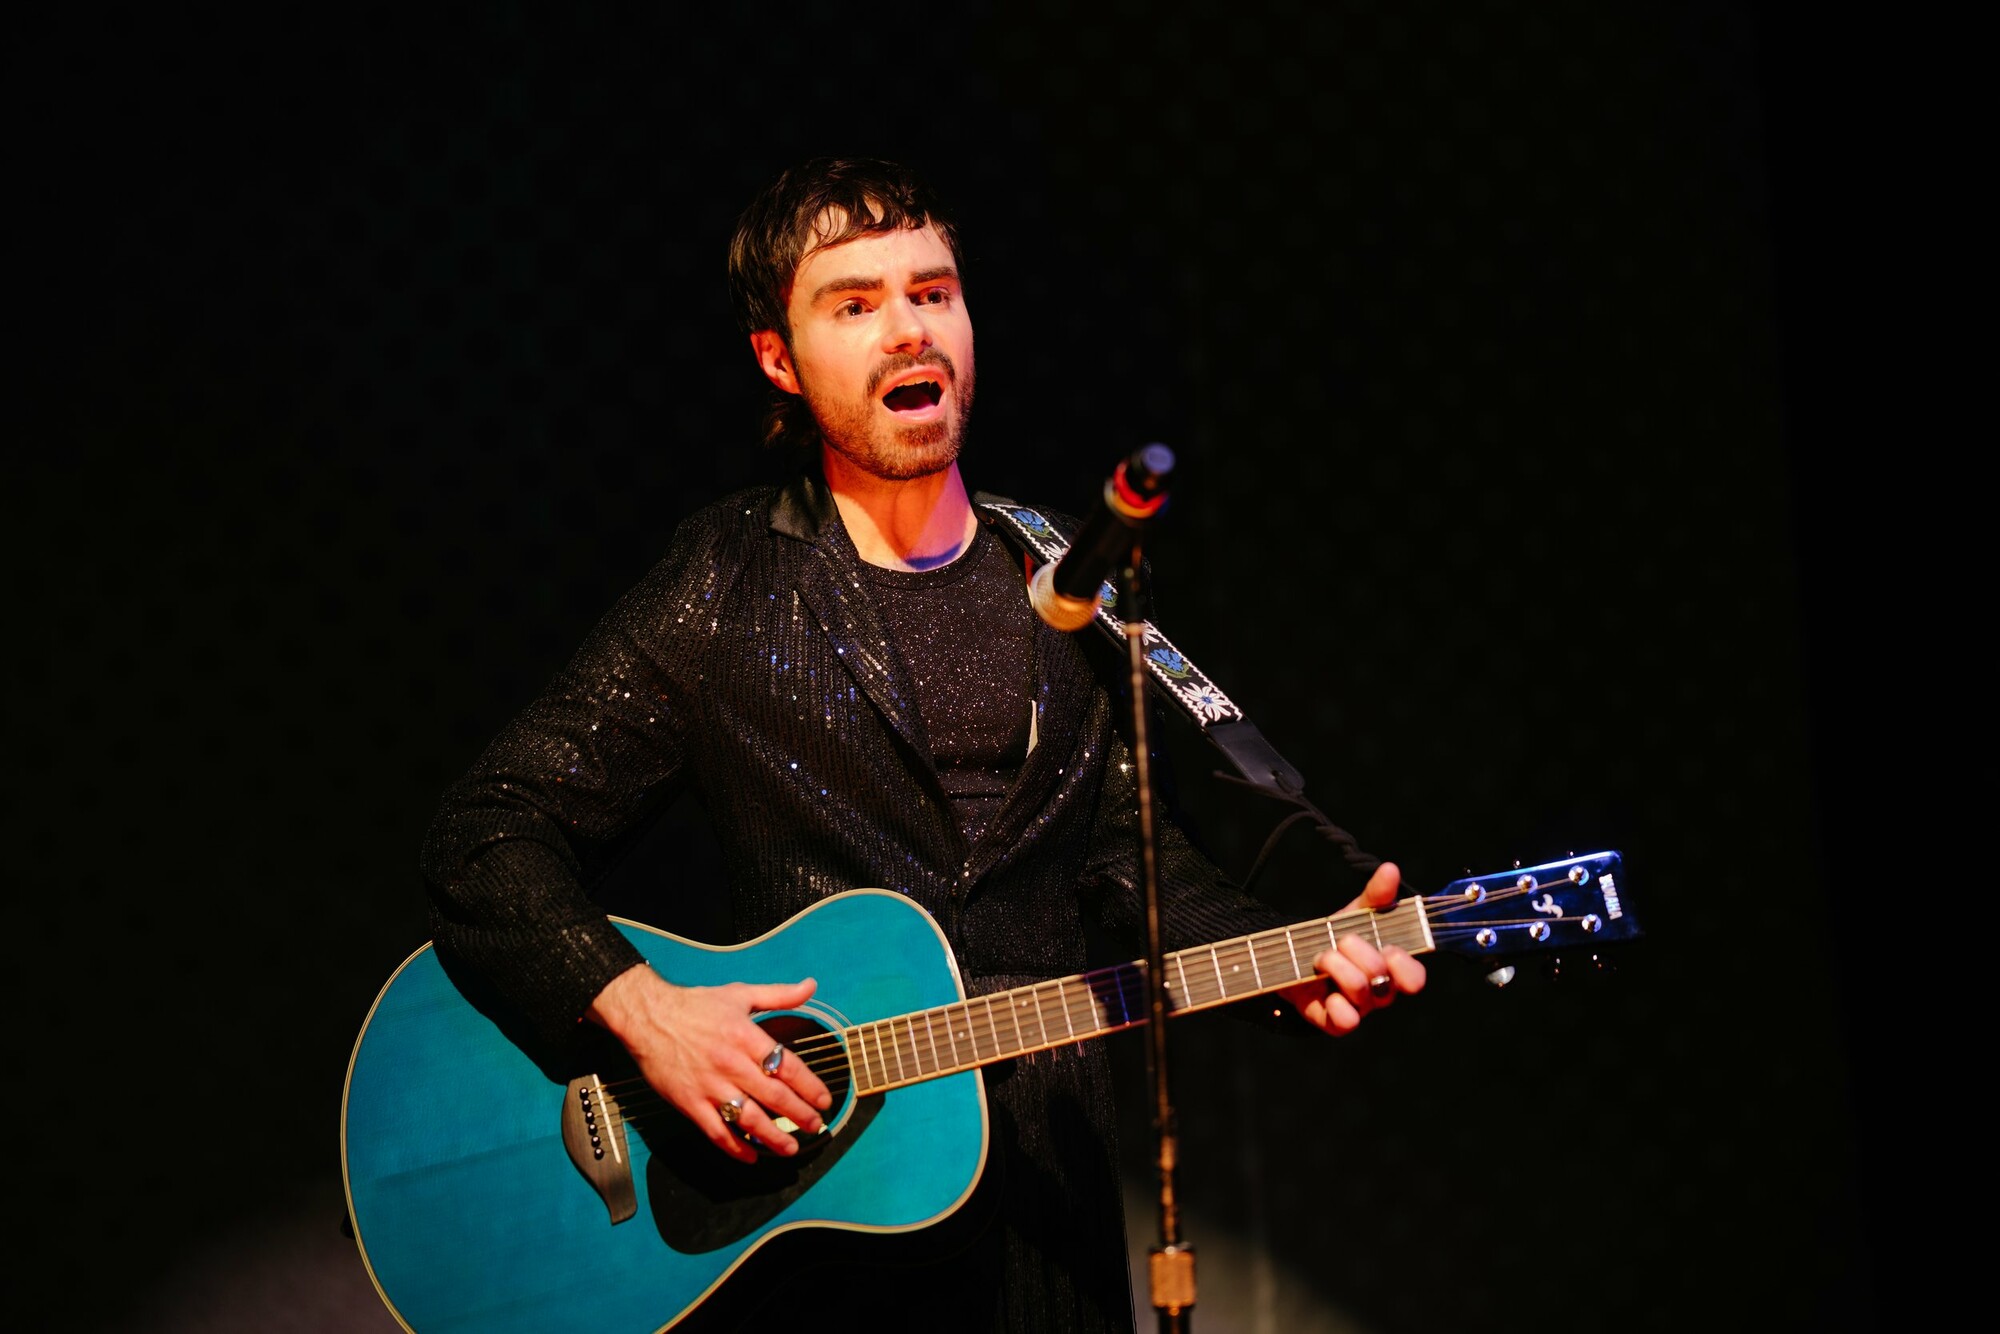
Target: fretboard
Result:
[[909, 1048]]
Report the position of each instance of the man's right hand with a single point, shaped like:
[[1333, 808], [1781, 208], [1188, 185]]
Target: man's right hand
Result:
[[698, 1049]]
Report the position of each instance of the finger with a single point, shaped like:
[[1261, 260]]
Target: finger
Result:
[[801, 1079], [777, 995], [1383, 886], [796, 1077], [1410, 974], [1336, 1015], [1350, 978], [756, 1122], [1374, 965], [708, 1116], [1364, 955], [781, 1099], [1380, 892]]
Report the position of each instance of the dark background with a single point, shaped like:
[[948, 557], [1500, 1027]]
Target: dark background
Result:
[[367, 356]]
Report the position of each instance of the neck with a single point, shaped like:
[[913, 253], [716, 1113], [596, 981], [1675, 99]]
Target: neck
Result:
[[918, 524]]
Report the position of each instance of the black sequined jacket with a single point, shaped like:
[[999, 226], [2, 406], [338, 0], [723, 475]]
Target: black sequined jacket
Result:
[[750, 666]]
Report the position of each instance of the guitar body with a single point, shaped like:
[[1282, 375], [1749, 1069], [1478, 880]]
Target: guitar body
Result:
[[472, 1215]]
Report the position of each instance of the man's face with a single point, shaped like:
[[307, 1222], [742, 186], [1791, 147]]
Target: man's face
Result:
[[881, 348]]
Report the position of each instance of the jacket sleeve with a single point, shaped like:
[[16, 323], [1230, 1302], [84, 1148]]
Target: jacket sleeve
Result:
[[1198, 902], [517, 842]]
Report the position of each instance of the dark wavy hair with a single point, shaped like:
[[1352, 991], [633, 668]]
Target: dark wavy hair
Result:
[[823, 202]]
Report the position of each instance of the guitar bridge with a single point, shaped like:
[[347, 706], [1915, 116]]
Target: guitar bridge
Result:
[[593, 1130]]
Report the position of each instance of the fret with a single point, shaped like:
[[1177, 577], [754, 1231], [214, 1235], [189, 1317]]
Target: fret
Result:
[[1040, 1021], [1014, 1013], [1261, 942], [958, 1058], [1221, 983], [867, 1067], [1187, 997], [993, 1024], [948, 1056], [896, 1046], [937, 1062], [1255, 971], [1100, 1000], [1293, 946], [972, 1027]]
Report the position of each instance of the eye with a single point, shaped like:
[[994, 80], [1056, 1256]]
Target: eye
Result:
[[848, 310], [935, 296]]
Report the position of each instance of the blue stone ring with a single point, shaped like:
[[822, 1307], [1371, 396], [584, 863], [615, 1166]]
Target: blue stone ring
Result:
[[774, 1060]]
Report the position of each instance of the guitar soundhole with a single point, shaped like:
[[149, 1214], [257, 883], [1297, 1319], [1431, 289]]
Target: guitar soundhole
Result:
[[823, 1054]]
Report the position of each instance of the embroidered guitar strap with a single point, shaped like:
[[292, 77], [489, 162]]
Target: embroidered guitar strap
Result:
[[1174, 677]]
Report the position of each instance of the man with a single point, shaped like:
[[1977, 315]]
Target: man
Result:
[[847, 672]]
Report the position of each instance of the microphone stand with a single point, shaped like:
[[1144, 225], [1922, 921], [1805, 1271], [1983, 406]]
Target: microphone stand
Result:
[[1171, 1265]]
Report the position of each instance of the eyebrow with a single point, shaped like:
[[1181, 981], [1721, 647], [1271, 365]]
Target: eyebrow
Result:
[[860, 284]]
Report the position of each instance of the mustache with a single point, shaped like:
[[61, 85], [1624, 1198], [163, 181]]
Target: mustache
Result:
[[903, 361]]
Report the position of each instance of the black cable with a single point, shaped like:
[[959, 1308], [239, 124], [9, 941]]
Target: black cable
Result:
[[1351, 852]]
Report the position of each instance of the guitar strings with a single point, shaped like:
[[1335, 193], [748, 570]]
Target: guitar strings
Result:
[[974, 1021]]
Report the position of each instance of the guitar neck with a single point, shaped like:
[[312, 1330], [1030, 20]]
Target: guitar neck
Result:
[[927, 1044]]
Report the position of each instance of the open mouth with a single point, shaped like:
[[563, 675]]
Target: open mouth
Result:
[[913, 396]]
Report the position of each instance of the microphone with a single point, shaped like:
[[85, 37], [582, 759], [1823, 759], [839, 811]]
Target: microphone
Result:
[[1065, 592]]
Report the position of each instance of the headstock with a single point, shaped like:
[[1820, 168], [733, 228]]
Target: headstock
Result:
[[1572, 904]]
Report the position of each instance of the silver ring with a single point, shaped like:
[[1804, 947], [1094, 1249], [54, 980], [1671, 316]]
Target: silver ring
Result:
[[730, 1110], [771, 1063], [1381, 984]]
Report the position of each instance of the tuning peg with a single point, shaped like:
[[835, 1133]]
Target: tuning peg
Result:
[[1502, 975]]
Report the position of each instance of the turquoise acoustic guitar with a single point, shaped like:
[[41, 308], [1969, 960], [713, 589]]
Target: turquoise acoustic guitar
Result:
[[491, 1193]]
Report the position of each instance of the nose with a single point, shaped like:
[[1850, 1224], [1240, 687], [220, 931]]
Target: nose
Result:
[[905, 329]]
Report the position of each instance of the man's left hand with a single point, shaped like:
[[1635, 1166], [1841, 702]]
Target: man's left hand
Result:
[[1358, 977]]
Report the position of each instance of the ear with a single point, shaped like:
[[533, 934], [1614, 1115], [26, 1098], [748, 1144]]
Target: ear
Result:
[[775, 359]]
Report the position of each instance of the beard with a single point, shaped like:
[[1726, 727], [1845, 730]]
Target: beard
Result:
[[894, 451]]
